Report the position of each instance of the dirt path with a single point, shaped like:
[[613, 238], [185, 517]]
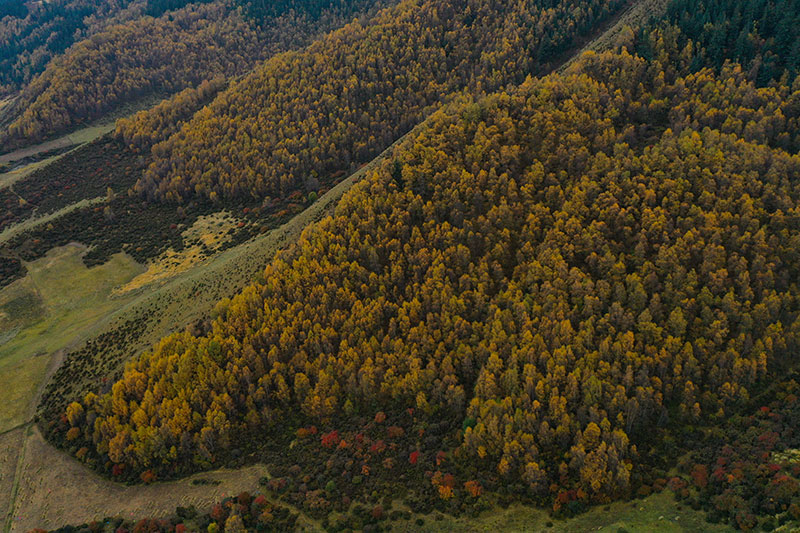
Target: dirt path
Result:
[[52, 489]]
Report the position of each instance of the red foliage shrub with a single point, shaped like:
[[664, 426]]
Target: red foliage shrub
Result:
[[219, 513], [675, 484], [473, 488], [329, 440], [148, 476], [413, 458], [147, 526]]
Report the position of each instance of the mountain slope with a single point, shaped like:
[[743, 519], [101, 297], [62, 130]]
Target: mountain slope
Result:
[[315, 114], [177, 50], [538, 271]]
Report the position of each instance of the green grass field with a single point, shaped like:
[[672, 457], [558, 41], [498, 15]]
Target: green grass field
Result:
[[54, 307], [657, 513]]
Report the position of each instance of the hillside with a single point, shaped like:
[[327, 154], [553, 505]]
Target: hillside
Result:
[[307, 116], [540, 271], [421, 265], [179, 49]]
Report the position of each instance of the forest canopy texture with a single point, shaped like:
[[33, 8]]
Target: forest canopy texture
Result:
[[307, 115], [167, 48], [562, 270]]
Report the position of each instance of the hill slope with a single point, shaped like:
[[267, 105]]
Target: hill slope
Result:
[[312, 115], [179, 49], [538, 271]]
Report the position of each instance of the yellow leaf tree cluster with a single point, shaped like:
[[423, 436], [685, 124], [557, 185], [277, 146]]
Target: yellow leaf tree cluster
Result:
[[567, 265], [147, 55], [307, 116]]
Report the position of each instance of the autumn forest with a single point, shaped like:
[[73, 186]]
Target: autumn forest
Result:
[[550, 258]]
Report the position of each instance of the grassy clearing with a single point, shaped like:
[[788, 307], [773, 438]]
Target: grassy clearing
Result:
[[96, 129], [202, 239], [658, 513], [12, 176], [12, 231], [81, 136], [55, 306], [55, 490]]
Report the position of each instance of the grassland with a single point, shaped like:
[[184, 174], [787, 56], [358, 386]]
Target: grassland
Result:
[[657, 513], [51, 485], [53, 308]]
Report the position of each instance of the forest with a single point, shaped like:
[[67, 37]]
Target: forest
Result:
[[761, 35], [147, 55], [563, 270], [33, 33], [306, 115], [561, 287]]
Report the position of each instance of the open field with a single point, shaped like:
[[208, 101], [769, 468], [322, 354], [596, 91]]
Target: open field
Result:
[[657, 513], [51, 483], [54, 307]]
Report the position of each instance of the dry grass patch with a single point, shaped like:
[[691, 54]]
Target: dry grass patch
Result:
[[10, 445], [203, 239], [56, 490]]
